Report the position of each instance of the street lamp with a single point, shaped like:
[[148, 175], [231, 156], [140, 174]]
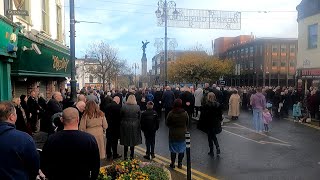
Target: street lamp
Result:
[[135, 66], [162, 12]]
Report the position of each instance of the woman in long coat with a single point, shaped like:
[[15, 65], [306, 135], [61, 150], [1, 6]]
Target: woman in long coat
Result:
[[210, 121], [234, 105], [94, 122], [130, 130], [177, 121]]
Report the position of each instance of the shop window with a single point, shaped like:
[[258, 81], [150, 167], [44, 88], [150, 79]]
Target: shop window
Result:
[[313, 36], [45, 16]]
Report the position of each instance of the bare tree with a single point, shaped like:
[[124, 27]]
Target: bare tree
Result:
[[104, 62]]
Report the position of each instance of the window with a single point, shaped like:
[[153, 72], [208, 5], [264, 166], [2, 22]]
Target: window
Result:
[[45, 16], [251, 50], [26, 6], [251, 64], [292, 64], [59, 23], [283, 64], [158, 70], [90, 79], [283, 48], [313, 36], [274, 49], [274, 63], [292, 48]]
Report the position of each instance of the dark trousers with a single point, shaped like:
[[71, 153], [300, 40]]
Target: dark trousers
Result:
[[173, 158], [167, 110], [212, 138], [125, 152], [150, 138], [112, 145], [159, 112]]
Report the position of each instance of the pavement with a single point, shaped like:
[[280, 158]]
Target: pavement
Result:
[[289, 151]]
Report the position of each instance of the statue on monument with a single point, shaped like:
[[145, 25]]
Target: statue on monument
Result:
[[144, 46]]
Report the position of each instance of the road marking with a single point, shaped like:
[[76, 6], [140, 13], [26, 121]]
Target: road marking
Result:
[[243, 137], [259, 142], [268, 142], [284, 142], [142, 150], [232, 127]]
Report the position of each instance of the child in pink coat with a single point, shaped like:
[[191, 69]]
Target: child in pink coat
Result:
[[267, 118]]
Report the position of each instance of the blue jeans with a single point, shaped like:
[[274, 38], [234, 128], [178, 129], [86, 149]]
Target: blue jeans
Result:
[[257, 119]]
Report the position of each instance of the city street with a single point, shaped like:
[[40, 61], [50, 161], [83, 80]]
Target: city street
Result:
[[288, 151]]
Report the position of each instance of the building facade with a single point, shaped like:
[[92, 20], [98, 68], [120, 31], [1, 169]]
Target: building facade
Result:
[[222, 44], [264, 62], [42, 59], [308, 62]]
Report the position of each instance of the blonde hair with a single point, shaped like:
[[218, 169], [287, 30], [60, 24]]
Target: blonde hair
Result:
[[15, 100], [131, 100], [211, 97]]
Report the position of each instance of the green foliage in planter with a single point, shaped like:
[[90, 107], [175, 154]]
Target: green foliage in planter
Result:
[[155, 172]]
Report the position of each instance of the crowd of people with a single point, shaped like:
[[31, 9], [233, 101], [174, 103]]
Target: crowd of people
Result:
[[92, 126]]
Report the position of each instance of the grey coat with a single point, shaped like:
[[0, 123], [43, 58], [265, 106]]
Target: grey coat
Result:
[[130, 130]]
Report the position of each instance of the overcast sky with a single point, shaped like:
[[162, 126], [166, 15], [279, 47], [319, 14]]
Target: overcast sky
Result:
[[125, 23]]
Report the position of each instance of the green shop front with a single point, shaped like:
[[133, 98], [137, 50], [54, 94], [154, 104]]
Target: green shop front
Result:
[[42, 65], [8, 48]]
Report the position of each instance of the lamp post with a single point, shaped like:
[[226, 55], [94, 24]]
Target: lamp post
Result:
[[162, 12], [73, 80], [135, 66]]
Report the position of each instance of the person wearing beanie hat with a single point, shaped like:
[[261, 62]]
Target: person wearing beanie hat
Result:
[[149, 126]]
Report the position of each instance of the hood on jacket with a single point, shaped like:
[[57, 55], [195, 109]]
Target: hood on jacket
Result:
[[5, 127], [259, 95]]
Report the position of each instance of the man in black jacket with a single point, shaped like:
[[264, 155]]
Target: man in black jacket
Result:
[[149, 126], [70, 153], [34, 109], [112, 112], [54, 106]]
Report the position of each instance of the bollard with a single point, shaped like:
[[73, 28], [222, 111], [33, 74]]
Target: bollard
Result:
[[187, 135]]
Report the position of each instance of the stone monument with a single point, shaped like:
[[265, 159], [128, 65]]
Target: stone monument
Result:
[[144, 59]]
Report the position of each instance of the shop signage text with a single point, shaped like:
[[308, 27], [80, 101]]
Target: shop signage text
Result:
[[60, 64]]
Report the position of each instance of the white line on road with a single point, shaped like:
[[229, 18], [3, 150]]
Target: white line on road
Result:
[[259, 142], [243, 137], [284, 142], [233, 127]]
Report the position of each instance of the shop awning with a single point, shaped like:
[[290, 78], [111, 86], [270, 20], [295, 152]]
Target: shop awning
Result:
[[41, 57]]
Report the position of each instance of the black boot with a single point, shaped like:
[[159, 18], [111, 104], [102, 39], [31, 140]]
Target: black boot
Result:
[[218, 150], [147, 156], [211, 153], [180, 157], [173, 160]]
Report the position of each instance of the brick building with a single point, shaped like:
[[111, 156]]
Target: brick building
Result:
[[264, 62]]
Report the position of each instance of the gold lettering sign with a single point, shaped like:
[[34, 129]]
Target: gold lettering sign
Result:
[[59, 64]]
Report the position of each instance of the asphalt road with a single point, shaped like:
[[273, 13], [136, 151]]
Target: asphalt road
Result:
[[289, 151]]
